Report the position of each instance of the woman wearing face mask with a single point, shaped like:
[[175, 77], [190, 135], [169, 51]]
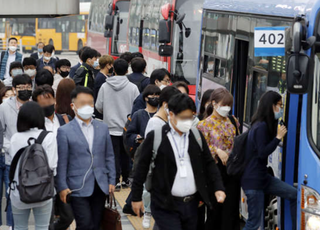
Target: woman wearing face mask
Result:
[[219, 133], [62, 71], [264, 137], [15, 70], [5, 94]]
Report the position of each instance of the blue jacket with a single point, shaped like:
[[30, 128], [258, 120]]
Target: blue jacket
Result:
[[41, 64], [74, 69], [75, 159], [138, 104], [139, 80]]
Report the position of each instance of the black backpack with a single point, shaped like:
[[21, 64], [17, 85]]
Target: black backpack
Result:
[[127, 148], [138, 83], [36, 181]]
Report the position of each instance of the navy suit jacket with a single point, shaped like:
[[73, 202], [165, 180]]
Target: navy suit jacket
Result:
[[75, 159], [35, 55], [74, 69]]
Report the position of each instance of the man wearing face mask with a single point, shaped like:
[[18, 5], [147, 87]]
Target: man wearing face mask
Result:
[[30, 68], [9, 56], [86, 142], [182, 171], [22, 87], [15, 70], [47, 59], [62, 71], [84, 75], [37, 55]]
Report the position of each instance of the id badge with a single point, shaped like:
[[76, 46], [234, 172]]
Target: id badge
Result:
[[183, 170]]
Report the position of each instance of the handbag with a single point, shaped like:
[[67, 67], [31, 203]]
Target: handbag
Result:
[[111, 219]]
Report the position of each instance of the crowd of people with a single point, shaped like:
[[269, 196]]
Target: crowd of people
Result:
[[104, 126]]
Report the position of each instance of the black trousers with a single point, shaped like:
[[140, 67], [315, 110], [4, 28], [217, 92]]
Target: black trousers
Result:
[[185, 218], [65, 213], [88, 211], [225, 216], [121, 158]]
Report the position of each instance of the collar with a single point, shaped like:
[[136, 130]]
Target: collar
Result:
[[87, 66], [81, 122], [55, 119]]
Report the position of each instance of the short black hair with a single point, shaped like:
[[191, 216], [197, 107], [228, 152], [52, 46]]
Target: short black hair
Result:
[[138, 64], [12, 38], [80, 51], [181, 102], [88, 53], [62, 62], [30, 116], [29, 61], [81, 89], [98, 54], [15, 64], [167, 93], [44, 77], [181, 84], [126, 56], [22, 79], [42, 90], [151, 90], [120, 66], [157, 74], [137, 54], [48, 49]]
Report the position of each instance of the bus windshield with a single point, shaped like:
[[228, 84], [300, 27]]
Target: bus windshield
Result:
[[119, 34], [186, 50], [23, 26]]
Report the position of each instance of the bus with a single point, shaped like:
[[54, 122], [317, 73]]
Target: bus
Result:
[[113, 43], [65, 33], [250, 47]]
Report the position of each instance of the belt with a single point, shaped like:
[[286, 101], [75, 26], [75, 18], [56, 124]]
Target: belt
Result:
[[185, 199]]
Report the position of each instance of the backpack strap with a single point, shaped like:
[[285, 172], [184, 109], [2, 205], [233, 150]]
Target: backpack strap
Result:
[[156, 143], [14, 163], [41, 137], [197, 135], [65, 118], [233, 121]]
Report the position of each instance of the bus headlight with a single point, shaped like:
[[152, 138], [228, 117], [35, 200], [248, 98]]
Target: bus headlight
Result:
[[310, 209]]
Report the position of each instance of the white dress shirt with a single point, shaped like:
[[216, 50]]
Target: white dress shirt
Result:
[[87, 130], [184, 183], [52, 126]]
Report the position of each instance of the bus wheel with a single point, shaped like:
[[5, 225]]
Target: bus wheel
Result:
[[51, 42], [271, 215], [80, 45]]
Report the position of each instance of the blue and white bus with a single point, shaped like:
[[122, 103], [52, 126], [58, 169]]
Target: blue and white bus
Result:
[[250, 47]]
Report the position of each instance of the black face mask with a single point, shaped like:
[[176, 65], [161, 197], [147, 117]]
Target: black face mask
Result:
[[48, 110], [111, 70], [153, 101], [24, 95], [64, 73]]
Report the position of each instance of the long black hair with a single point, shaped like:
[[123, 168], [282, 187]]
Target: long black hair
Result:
[[204, 100], [265, 111]]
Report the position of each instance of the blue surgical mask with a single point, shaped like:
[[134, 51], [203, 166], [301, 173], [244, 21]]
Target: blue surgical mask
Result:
[[96, 64], [40, 50], [16, 72], [278, 115]]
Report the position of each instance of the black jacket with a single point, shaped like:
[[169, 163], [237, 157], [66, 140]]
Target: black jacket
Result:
[[35, 55], [80, 76], [207, 176]]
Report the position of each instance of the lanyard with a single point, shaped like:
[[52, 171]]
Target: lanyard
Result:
[[176, 145]]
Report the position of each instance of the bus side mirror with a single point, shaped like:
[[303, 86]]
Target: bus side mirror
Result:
[[165, 50], [109, 22], [165, 31]]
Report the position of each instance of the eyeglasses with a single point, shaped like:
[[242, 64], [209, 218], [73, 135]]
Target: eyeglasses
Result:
[[167, 81], [24, 87]]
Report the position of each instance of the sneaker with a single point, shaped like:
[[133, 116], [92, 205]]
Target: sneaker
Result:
[[128, 210], [118, 187], [146, 220], [126, 184]]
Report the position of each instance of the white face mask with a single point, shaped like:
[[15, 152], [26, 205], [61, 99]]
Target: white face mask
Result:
[[162, 87], [12, 48], [6, 99], [85, 112], [30, 72], [46, 58], [223, 110], [184, 125]]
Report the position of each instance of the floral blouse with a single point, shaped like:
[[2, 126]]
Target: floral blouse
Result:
[[219, 134]]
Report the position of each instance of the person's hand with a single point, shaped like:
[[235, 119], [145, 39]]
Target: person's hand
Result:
[[282, 131], [223, 156], [63, 195], [220, 196], [111, 188], [139, 141], [137, 207]]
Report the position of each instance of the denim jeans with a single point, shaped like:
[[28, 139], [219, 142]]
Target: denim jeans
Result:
[[255, 199], [4, 179], [41, 216]]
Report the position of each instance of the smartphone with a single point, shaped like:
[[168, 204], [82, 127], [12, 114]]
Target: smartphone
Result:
[[282, 123]]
